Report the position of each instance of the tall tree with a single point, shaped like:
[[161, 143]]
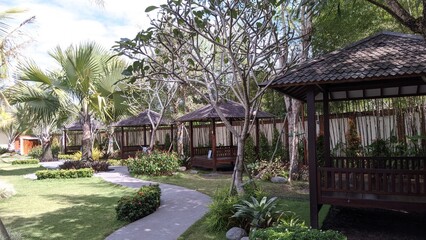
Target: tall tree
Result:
[[217, 48], [410, 13], [82, 68]]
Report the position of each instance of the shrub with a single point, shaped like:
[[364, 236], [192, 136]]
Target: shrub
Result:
[[96, 155], [72, 173], [221, 211], [143, 203], [36, 152], [66, 156], [295, 231], [264, 147], [3, 150], [265, 170], [256, 214], [55, 147], [154, 163], [278, 144], [249, 151], [97, 166], [26, 161], [6, 190]]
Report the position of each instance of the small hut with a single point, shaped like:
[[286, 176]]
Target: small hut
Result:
[[73, 135], [130, 139], [386, 65], [213, 156]]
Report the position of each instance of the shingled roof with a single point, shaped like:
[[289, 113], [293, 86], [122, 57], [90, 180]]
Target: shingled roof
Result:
[[142, 119], [77, 126], [384, 65], [231, 110]]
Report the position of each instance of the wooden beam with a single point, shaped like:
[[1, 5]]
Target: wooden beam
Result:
[[313, 187], [231, 137], [191, 139], [171, 136], [257, 137], [326, 127], [213, 142], [65, 141], [122, 142], [144, 135]]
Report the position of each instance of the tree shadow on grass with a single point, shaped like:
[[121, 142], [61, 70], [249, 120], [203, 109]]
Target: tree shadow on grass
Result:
[[90, 217], [19, 171], [376, 224]]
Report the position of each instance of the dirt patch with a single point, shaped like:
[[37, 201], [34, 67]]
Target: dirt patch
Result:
[[373, 224]]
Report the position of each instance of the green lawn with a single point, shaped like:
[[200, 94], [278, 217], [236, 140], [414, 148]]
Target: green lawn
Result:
[[59, 209], [292, 197]]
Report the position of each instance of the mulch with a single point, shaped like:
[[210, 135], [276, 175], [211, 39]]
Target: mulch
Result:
[[373, 224]]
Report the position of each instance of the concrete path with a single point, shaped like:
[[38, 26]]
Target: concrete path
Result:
[[180, 208]]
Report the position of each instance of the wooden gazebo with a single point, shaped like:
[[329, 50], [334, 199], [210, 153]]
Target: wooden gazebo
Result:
[[76, 128], [382, 66], [142, 120], [214, 156]]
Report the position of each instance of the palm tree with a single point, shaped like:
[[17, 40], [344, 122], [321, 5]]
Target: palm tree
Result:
[[83, 69]]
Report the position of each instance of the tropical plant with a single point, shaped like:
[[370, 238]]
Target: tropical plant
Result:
[[76, 87], [258, 214]]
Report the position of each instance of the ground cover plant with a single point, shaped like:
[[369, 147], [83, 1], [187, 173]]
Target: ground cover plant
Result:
[[97, 166], [80, 208]]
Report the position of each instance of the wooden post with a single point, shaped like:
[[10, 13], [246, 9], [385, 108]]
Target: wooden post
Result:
[[171, 135], [231, 137], [191, 139], [313, 187], [122, 142], [144, 136], [257, 138], [326, 127], [213, 141], [65, 141]]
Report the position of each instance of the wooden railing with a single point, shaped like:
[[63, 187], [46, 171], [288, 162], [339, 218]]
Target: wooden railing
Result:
[[221, 151], [370, 175]]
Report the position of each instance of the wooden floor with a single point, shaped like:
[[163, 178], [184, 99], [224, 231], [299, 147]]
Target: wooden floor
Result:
[[205, 162]]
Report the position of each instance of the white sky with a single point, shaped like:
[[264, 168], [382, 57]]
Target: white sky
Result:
[[66, 22]]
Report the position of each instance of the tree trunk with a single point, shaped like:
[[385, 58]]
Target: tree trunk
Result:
[[293, 110], [47, 155], [3, 231], [180, 145], [237, 175], [152, 140], [87, 139], [110, 148]]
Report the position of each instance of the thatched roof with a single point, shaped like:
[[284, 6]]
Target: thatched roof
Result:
[[384, 65], [142, 119], [77, 126], [231, 110]]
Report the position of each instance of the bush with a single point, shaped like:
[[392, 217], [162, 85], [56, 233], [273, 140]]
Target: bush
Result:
[[256, 214], [221, 211], [72, 173], [295, 232], [96, 155], [26, 161], [66, 156], [36, 152], [97, 166], [143, 203], [55, 147], [154, 164], [6, 190], [249, 151], [3, 150], [264, 147], [265, 170]]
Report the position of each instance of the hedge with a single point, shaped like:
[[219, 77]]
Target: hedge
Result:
[[26, 161], [72, 173], [143, 203], [295, 232], [153, 164], [97, 166]]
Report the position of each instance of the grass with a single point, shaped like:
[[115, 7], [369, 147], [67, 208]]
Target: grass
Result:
[[59, 208], [292, 197]]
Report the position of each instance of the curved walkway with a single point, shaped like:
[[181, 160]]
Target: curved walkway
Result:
[[180, 208]]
